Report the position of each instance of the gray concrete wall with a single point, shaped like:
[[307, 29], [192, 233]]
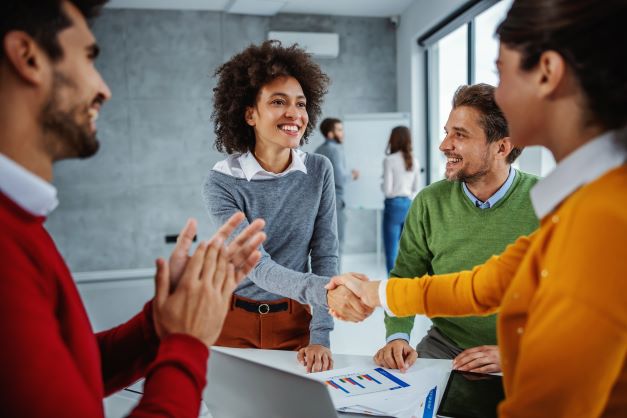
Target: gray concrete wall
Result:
[[156, 136]]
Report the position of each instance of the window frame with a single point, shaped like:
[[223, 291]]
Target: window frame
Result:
[[464, 15]]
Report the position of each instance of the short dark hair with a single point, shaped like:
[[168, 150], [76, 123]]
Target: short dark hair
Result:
[[583, 33], [241, 78], [481, 98], [42, 20], [327, 125]]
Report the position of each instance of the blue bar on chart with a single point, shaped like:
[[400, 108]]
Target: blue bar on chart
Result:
[[376, 380]]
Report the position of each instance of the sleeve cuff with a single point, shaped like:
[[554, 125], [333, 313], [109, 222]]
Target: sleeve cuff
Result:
[[320, 294], [150, 332], [383, 297], [397, 336], [185, 353], [320, 338]]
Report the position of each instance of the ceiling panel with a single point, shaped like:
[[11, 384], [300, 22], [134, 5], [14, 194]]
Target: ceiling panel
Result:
[[256, 7], [215, 5], [373, 8]]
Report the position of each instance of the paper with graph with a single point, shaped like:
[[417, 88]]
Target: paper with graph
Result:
[[379, 391], [361, 383]]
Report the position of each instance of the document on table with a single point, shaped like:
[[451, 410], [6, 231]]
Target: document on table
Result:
[[384, 392], [361, 383]]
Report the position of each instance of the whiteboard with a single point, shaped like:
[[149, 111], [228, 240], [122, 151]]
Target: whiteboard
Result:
[[365, 140]]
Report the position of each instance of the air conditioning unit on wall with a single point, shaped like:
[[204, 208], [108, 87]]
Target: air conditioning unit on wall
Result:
[[320, 45]]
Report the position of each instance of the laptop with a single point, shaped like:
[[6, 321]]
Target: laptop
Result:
[[241, 388]]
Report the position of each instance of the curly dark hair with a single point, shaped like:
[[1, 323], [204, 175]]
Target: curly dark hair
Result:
[[241, 78]]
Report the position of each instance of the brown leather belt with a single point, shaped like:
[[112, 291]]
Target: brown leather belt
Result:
[[261, 307]]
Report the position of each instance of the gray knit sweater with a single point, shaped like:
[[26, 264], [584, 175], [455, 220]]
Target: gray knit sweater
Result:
[[299, 210]]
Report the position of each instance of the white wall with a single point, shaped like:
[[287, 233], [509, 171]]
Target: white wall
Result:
[[421, 16]]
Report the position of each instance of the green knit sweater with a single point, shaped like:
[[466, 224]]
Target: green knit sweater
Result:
[[445, 232]]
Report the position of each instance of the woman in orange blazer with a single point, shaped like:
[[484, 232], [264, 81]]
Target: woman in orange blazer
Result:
[[561, 292]]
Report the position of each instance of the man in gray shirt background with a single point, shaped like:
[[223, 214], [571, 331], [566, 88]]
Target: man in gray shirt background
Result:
[[333, 132]]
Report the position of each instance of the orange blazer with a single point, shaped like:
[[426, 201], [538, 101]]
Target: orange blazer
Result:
[[561, 295]]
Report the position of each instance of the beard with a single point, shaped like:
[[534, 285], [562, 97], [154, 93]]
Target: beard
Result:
[[66, 137], [466, 176]]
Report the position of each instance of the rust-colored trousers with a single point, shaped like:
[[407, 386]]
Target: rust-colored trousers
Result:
[[284, 330]]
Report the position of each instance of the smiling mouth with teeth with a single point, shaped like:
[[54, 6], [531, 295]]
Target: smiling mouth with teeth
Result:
[[93, 115], [453, 160], [289, 128]]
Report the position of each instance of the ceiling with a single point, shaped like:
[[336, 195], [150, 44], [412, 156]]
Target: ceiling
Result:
[[369, 8]]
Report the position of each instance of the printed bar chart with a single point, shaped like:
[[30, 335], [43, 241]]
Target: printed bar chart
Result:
[[377, 380]]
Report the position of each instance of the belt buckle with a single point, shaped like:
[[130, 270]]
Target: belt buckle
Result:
[[264, 308]]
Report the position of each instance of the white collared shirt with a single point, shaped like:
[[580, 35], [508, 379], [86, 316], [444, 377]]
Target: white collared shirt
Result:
[[584, 165], [246, 166], [32, 193], [397, 180]]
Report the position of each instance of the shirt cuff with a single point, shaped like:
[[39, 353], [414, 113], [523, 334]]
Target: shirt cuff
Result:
[[383, 297], [397, 336]]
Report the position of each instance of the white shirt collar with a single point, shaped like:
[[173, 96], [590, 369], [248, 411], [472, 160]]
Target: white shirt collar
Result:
[[29, 191], [584, 165], [252, 169]]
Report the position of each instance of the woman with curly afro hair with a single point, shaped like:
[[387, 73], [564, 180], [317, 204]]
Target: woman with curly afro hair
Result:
[[266, 103]]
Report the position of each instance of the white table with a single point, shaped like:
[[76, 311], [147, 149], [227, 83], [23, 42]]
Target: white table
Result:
[[120, 404]]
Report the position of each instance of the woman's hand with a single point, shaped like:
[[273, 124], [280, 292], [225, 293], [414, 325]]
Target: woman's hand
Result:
[[360, 286], [315, 357]]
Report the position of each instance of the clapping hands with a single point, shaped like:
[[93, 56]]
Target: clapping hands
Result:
[[193, 292], [238, 252], [352, 297]]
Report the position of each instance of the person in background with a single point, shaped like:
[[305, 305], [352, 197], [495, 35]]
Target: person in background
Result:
[[265, 105], [51, 363], [332, 130], [401, 179], [560, 292]]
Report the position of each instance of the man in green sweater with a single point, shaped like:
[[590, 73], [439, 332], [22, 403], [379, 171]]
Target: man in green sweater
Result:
[[458, 223]]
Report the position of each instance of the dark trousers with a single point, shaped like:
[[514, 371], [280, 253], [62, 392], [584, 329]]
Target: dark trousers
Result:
[[394, 213], [437, 345]]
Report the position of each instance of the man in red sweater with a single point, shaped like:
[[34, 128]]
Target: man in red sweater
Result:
[[51, 363]]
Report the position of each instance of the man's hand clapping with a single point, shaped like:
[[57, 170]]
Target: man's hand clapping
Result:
[[195, 299]]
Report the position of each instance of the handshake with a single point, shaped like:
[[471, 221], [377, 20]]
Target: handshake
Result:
[[352, 297]]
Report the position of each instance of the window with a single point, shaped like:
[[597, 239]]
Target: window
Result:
[[450, 58], [463, 50], [485, 43]]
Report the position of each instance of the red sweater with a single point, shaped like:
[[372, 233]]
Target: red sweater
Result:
[[51, 362]]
